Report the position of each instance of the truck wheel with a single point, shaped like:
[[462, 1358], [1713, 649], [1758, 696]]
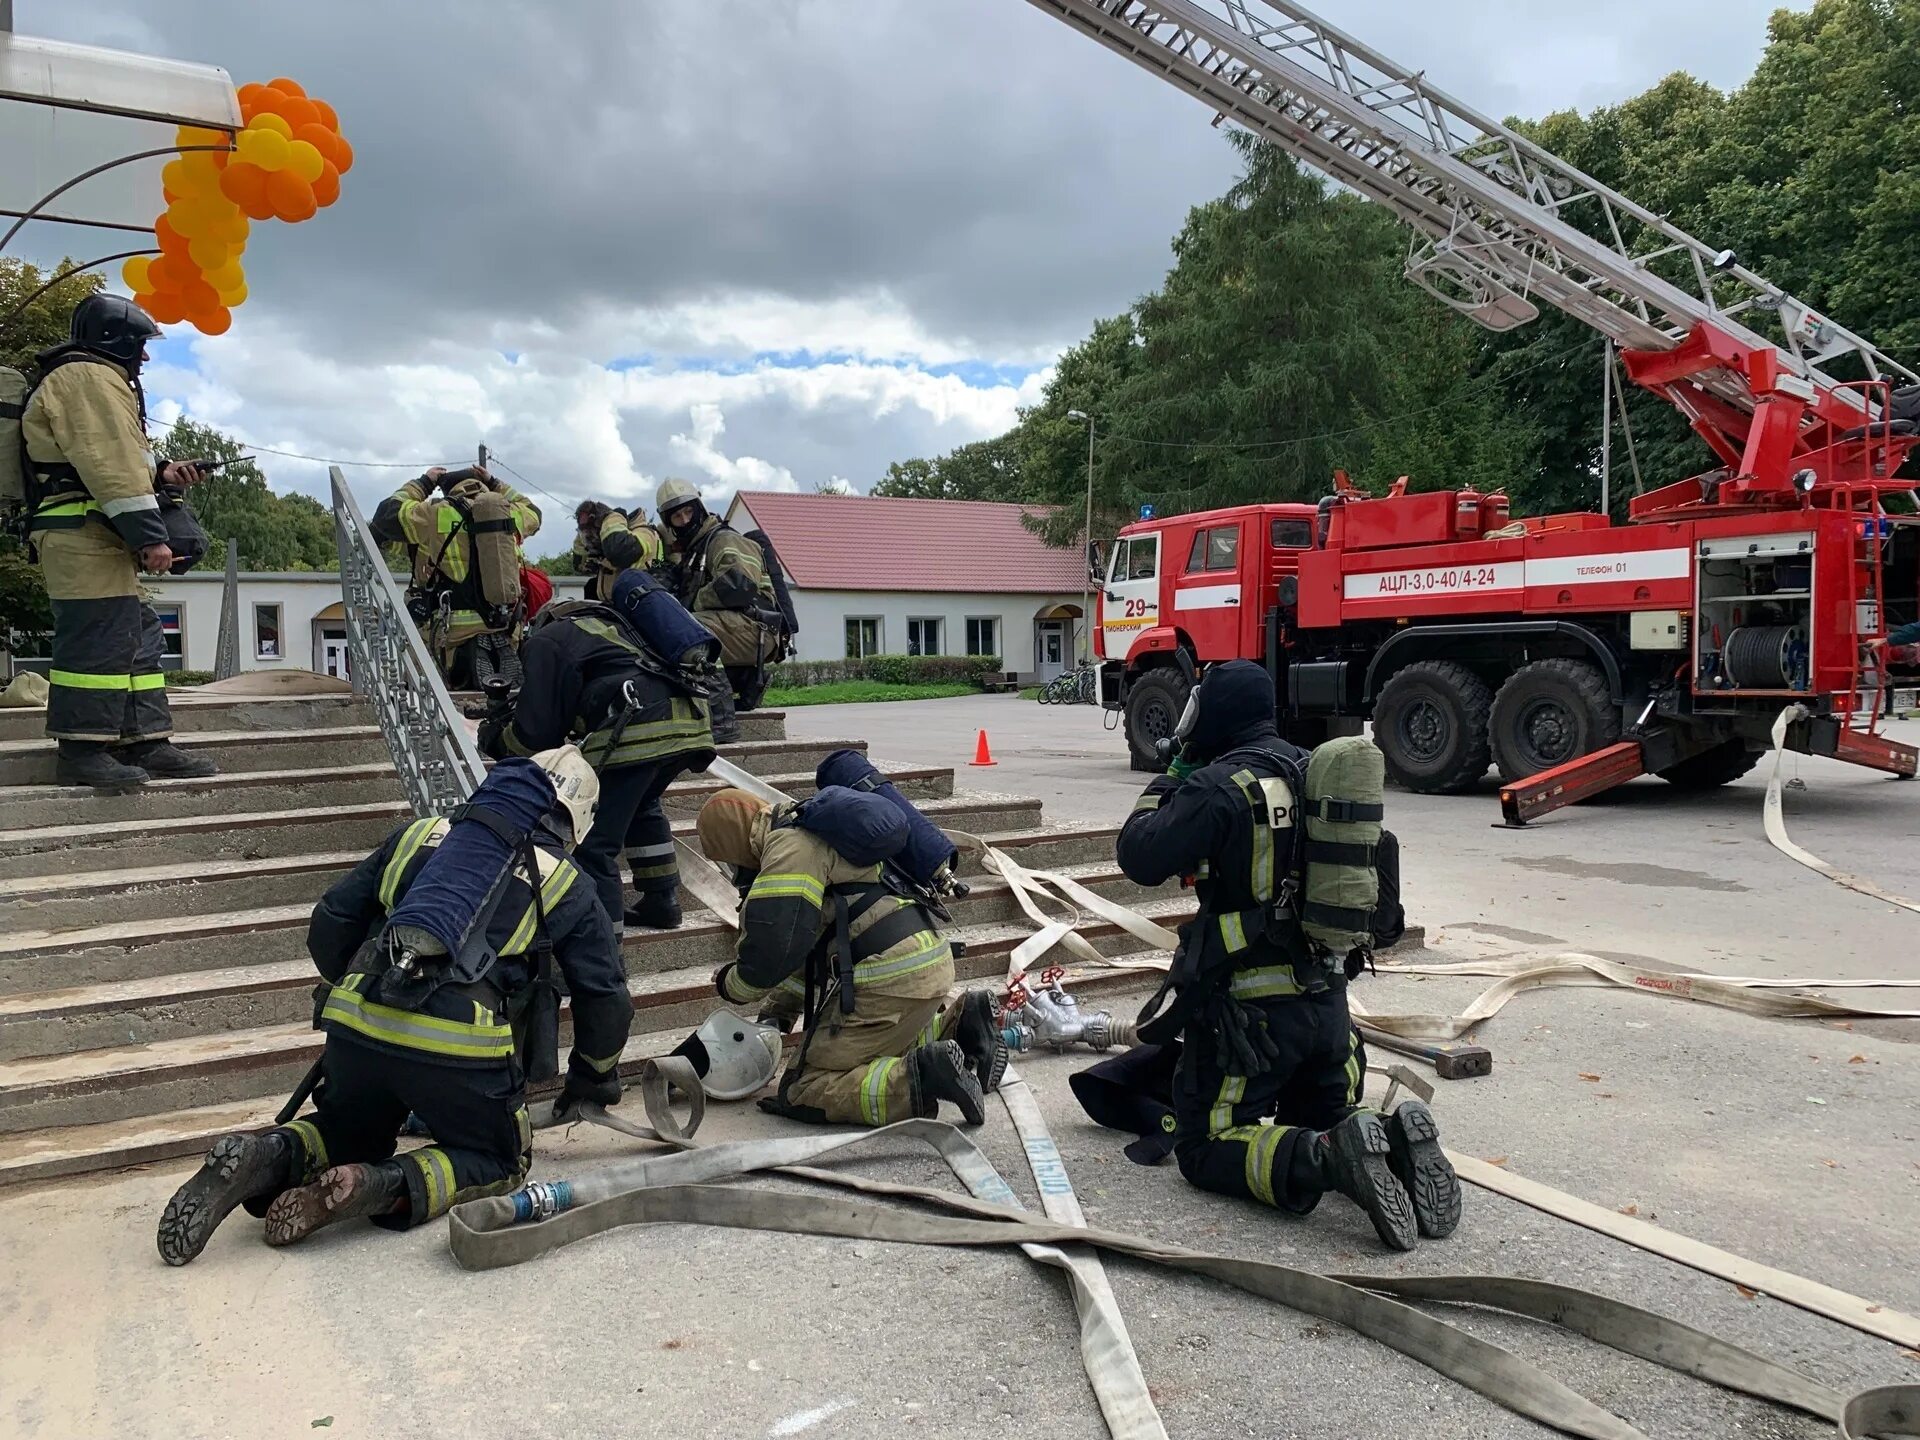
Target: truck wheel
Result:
[[1710, 769], [1431, 724], [1154, 703], [1548, 713]]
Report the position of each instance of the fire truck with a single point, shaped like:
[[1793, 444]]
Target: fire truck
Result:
[[1571, 652]]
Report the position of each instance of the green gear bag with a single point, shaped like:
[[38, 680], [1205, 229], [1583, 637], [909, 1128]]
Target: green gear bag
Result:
[[1344, 805]]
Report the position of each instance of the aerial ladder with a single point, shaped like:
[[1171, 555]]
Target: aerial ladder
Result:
[[1798, 409]]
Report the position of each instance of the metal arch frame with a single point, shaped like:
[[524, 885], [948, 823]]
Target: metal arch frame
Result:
[[439, 764], [1488, 201]]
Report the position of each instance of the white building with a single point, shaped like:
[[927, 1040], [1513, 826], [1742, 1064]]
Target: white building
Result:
[[875, 576]]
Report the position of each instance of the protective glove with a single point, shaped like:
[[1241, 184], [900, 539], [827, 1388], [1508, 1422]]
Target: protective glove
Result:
[[491, 739], [1182, 765], [585, 1089], [1245, 1046]]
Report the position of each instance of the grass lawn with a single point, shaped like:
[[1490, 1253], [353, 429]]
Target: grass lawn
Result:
[[842, 692]]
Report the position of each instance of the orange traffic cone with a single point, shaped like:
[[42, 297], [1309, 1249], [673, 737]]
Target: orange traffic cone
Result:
[[981, 754]]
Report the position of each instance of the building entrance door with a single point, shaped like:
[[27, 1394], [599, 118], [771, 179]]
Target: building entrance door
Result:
[[1049, 649]]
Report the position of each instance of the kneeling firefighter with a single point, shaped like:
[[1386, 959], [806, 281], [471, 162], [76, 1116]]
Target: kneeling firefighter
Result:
[[831, 933], [1266, 1085], [627, 679], [438, 999]]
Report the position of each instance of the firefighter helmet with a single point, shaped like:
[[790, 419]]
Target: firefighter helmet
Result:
[[575, 785]]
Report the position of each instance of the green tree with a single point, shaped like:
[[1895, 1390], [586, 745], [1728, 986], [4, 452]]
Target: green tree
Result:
[[274, 532], [44, 322], [983, 470], [560, 564]]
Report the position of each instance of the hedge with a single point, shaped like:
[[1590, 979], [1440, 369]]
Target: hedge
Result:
[[886, 669]]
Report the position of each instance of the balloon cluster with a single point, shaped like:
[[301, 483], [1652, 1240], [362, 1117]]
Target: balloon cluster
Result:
[[285, 164]]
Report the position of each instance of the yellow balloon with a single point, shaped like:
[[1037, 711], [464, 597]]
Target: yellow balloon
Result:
[[190, 218], [233, 297], [227, 277], [197, 135], [201, 170], [134, 272], [266, 149], [209, 254], [233, 229], [175, 177], [278, 124], [307, 162]]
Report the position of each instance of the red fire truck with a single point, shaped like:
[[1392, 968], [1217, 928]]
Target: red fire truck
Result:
[[1571, 651]]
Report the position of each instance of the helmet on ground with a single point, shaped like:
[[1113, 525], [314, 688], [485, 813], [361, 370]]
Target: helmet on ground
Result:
[[575, 786], [675, 493], [733, 1056], [113, 326], [726, 827]]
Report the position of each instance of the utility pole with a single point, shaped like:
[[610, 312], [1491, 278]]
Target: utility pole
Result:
[[1606, 430], [483, 457], [1086, 590]]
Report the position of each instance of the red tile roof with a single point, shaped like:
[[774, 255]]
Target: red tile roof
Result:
[[870, 542]]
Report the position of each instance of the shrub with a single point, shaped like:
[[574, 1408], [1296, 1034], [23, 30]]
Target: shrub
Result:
[[189, 677], [886, 670]]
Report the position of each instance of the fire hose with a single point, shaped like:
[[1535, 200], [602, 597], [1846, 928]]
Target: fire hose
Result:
[[1775, 820]]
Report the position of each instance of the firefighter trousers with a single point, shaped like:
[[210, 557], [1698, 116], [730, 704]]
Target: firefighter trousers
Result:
[[477, 1115], [1226, 1135], [852, 1069], [104, 684], [631, 823]]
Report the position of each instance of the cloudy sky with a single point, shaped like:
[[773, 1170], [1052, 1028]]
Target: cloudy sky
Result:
[[758, 243]]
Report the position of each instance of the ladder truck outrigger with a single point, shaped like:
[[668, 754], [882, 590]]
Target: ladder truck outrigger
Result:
[[1572, 652]]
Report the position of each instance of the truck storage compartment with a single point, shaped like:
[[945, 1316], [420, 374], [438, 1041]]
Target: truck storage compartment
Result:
[[1752, 614]]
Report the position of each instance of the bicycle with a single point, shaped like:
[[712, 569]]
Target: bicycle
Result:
[[1074, 687]]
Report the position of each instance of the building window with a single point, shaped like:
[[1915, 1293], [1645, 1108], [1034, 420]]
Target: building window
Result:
[[923, 637], [173, 636], [1215, 549], [863, 636], [983, 635], [266, 632]]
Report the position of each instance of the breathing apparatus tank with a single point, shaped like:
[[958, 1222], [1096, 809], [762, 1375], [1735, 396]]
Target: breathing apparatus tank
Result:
[[664, 623], [929, 859]]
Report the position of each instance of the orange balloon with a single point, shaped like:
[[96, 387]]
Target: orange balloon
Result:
[[168, 195], [167, 273], [197, 294], [292, 198], [342, 156], [326, 189], [286, 86], [298, 111], [163, 306], [171, 241], [245, 185], [214, 321], [328, 117], [249, 94], [260, 209], [318, 136]]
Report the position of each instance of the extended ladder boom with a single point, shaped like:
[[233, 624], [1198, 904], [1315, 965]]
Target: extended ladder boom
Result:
[[1489, 203]]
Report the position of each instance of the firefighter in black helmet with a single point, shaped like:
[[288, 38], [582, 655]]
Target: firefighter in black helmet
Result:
[[722, 578], [97, 524]]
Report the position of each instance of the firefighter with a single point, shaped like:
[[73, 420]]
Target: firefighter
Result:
[[629, 676], [901, 1048], [609, 540], [457, 1058], [96, 525], [722, 577], [462, 546], [1263, 1023]]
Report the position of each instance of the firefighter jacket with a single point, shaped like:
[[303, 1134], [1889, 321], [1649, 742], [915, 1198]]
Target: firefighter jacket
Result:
[[87, 451], [622, 544], [470, 1024], [790, 918], [721, 576], [1207, 826], [438, 546], [576, 664]]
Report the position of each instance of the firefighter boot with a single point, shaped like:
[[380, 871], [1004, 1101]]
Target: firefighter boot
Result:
[[1355, 1159], [86, 762], [976, 1032], [720, 711], [1421, 1167], [342, 1193], [165, 760], [238, 1168], [655, 910], [939, 1072]]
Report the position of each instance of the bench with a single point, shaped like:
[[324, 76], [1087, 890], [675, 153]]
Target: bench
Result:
[[999, 681]]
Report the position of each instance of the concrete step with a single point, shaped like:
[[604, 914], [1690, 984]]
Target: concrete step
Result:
[[918, 784], [784, 757], [97, 849], [29, 806], [30, 762], [121, 1082], [269, 991], [754, 724], [195, 712]]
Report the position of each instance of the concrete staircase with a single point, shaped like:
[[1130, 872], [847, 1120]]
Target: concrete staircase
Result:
[[154, 983]]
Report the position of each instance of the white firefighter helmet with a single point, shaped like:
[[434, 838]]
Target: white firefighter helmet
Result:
[[732, 1055], [672, 494], [574, 783]]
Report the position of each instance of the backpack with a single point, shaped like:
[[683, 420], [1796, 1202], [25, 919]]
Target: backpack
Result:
[[14, 390], [783, 597], [491, 586]]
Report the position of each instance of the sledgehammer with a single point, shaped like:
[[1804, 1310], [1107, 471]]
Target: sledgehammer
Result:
[[1450, 1062]]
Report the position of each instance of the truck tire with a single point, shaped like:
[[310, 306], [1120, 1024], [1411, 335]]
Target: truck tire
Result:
[[1548, 713], [1710, 769], [1154, 703], [1431, 724]]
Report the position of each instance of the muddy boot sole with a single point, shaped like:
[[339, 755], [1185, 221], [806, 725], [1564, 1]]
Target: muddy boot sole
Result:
[[237, 1168], [1362, 1161], [1422, 1169], [942, 1073], [346, 1192]]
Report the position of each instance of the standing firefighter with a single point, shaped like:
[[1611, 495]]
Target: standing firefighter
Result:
[[1258, 1000], [609, 540], [826, 938], [436, 953], [96, 524], [722, 578], [628, 680], [465, 594]]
